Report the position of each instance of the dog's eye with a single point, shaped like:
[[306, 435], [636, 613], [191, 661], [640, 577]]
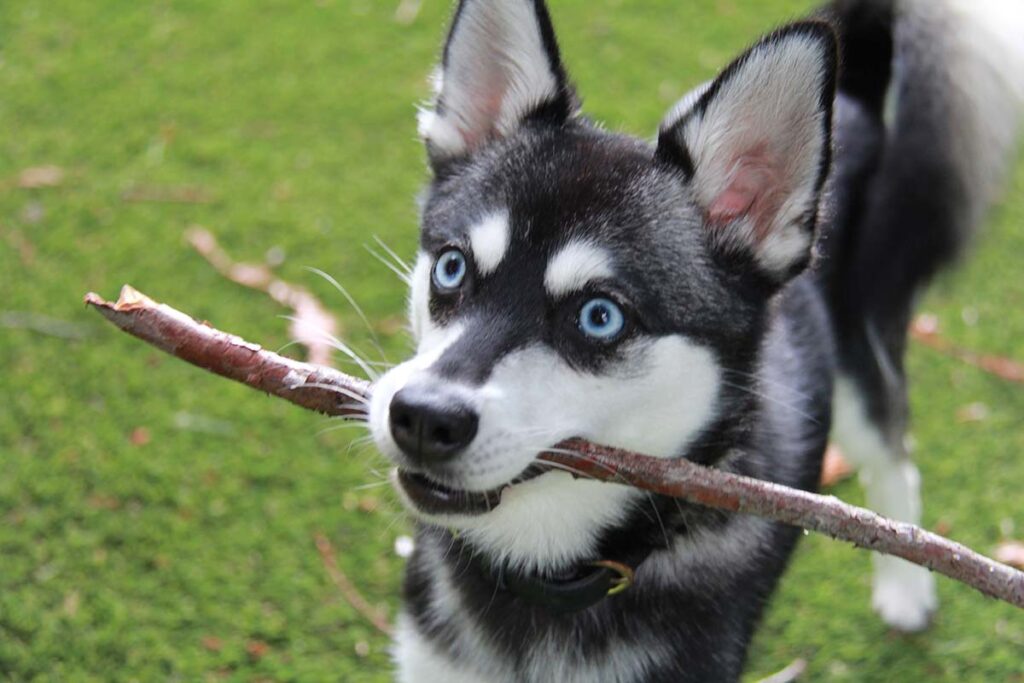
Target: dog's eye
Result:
[[450, 269], [602, 320]]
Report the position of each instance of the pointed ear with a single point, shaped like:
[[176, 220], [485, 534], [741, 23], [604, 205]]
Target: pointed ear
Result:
[[756, 146], [501, 66]]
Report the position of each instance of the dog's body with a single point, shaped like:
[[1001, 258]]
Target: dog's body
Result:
[[575, 282]]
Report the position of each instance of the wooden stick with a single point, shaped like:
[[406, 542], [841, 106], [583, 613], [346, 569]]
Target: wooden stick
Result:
[[334, 393], [348, 589]]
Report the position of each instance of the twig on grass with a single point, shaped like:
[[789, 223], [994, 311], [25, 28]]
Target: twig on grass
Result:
[[924, 330], [312, 325], [334, 393], [348, 589]]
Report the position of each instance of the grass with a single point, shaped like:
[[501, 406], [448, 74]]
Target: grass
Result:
[[157, 523]]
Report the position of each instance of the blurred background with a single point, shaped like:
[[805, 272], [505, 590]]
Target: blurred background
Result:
[[158, 523]]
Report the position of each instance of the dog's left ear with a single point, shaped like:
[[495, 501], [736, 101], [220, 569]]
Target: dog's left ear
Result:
[[755, 145], [501, 67]]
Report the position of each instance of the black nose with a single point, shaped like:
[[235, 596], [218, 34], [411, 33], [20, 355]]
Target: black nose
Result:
[[431, 424]]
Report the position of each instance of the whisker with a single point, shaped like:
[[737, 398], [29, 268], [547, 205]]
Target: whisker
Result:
[[402, 263], [346, 349], [770, 399], [335, 428], [371, 485], [359, 398], [402, 275], [764, 380], [352, 302]]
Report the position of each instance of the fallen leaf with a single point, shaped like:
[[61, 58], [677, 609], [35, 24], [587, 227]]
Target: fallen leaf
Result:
[[407, 11], [1011, 553], [257, 649], [140, 436], [40, 176], [72, 600], [925, 324], [835, 468], [973, 412], [212, 643], [390, 325], [100, 501], [181, 194]]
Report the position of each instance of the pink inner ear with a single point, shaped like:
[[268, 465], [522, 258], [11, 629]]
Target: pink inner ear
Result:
[[486, 109], [756, 189]]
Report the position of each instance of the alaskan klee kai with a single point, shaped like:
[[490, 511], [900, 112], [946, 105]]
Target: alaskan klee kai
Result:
[[733, 293]]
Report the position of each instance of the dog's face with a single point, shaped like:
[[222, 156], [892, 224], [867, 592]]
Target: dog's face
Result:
[[576, 283]]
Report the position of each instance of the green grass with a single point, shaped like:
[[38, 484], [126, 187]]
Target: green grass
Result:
[[124, 561]]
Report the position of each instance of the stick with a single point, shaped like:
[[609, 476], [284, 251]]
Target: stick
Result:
[[348, 589], [334, 393], [314, 387]]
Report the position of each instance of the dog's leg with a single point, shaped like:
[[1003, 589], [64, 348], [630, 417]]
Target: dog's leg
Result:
[[903, 594]]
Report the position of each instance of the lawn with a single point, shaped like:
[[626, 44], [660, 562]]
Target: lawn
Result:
[[157, 523]]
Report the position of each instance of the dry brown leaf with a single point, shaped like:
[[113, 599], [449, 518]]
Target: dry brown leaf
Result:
[[40, 176], [390, 325], [925, 324], [72, 601], [140, 436], [1011, 553], [183, 194], [312, 325], [407, 11], [212, 643], [973, 412], [100, 501], [257, 649], [835, 467]]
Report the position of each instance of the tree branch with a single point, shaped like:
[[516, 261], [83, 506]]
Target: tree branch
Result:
[[331, 392]]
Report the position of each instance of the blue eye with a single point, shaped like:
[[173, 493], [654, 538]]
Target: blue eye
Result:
[[450, 269], [602, 320]]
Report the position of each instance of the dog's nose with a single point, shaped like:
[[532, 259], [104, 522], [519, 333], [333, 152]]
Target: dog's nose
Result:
[[431, 424]]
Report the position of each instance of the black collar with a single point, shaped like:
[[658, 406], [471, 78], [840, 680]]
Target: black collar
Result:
[[577, 589]]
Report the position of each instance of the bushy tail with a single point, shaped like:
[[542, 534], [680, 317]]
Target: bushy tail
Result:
[[947, 79]]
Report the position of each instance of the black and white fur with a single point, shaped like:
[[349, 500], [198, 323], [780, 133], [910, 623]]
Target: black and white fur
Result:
[[766, 252]]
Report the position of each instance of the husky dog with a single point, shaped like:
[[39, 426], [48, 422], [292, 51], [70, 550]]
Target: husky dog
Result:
[[732, 294]]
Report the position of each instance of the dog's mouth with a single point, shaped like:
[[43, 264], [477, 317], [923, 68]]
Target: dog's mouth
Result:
[[431, 497]]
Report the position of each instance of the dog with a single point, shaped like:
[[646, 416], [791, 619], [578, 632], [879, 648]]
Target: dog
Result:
[[734, 293]]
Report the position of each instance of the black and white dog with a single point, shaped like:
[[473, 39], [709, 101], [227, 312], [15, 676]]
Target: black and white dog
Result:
[[732, 294]]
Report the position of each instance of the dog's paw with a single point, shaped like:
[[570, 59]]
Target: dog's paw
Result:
[[903, 594]]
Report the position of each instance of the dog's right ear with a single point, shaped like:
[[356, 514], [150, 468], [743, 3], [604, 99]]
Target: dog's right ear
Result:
[[501, 67]]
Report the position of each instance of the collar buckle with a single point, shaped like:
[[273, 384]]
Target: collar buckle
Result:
[[626, 575]]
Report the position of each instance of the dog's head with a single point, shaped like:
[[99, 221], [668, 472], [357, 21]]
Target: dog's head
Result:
[[577, 283]]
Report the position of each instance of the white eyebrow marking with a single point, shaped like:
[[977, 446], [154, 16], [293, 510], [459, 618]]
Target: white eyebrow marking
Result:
[[574, 266], [489, 239]]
